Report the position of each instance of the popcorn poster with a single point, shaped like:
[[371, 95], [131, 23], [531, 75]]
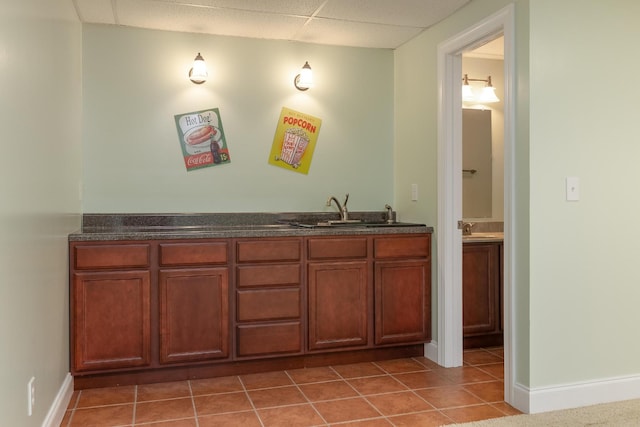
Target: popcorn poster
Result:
[[202, 139], [294, 141]]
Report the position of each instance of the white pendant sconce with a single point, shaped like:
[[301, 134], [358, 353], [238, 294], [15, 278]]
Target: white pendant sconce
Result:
[[304, 80], [198, 73], [486, 96]]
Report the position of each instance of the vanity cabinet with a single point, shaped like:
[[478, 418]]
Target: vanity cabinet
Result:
[[482, 294], [402, 290], [193, 299], [268, 297], [110, 307], [339, 293]]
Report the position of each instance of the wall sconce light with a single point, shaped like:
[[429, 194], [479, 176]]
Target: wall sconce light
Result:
[[304, 80], [198, 73], [488, 94]]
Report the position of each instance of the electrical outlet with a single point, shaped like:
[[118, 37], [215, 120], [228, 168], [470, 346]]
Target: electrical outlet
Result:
[[31, 395]]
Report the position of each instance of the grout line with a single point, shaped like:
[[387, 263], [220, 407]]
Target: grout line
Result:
[[306, 398], [246, 393], [135, 403], [193, 403]]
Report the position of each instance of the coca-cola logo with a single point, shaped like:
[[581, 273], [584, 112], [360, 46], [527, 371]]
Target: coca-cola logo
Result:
[[200, 159]]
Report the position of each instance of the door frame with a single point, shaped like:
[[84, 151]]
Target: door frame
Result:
[[449, 277]]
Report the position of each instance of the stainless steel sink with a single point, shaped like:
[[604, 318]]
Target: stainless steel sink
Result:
[[352, 223]]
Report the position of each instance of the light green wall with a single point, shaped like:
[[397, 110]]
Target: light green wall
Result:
[[40, 171], [416, 143], [136, 81], [584, 255]]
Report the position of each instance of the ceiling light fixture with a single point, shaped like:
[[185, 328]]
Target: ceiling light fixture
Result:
[[304, 80], [198, 73], [488, 94]]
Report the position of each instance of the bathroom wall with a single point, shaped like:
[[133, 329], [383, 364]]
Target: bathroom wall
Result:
[[136, 81]]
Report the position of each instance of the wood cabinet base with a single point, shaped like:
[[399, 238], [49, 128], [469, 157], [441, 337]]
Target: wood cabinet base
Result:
[[191, 372]]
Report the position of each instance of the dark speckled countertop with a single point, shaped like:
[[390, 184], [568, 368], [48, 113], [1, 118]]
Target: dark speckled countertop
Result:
[[100, 227]]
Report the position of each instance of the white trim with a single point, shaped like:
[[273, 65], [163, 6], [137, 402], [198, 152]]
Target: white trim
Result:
[[431, 351], [575, 395], [449, 280], [60, 403]]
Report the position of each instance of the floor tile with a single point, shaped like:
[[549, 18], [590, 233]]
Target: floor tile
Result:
[[172, 390], [215, 385], [221, 403], [492, 391], [506, 408], [397, 366], [164, 410], [466, 375], [328, 391], [371, 422], [425, 379], [480, 357], [421, 419], [106, 396], [191, 422], [103, 416], [398, 403], [235, 419], [290, 416], [472, 413], [265, 380], [357, 370], [494, 369], [376, 385], [313, 375], [280, 396], [448, 397], [352, 409]]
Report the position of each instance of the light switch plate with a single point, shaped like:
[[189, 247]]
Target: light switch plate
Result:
[[573, 188]]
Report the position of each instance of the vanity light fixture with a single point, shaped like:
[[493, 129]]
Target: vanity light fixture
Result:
[[488, 94], [304, 80], [198, 73]]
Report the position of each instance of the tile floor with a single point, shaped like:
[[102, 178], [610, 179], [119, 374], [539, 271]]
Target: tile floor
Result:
[[403, 392]]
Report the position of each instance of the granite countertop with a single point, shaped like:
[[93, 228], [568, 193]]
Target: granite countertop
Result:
[[101, 227], [497, 236]]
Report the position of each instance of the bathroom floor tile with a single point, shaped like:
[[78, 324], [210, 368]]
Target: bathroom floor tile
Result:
[[280, 396], [161, 391], [235, 419], [164, 410], [398, 403], [289, 416], [313, 375], [265, 380], [221, 403], [376, 385], [335, 411], [215, 385], [358, 370], [103, 416], [328, 391]]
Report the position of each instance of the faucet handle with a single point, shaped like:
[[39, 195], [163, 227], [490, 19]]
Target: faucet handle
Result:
[[346, 199]]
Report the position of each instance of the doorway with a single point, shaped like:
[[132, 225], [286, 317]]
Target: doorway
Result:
[[449, 280]]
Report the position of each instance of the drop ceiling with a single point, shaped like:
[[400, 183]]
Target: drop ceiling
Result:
[[358, 23]]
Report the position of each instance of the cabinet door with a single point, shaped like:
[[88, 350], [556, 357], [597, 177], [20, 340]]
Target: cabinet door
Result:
[[481, 288], [194, 314], [339, 300], [402, 301], [111, 320]]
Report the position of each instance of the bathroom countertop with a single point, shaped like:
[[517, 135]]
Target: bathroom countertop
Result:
[[497, 236], [114, 227]]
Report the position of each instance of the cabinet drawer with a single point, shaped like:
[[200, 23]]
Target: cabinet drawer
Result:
[[402, 247], [272, 304], [193, 253], [268, 250], [337, 248], [268, 275], [111, 256], [260, 340]]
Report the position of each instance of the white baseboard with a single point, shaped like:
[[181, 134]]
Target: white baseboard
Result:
[[544, 399], [60, 403], [431, 351]]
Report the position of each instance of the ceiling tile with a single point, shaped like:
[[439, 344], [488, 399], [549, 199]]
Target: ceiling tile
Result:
[[415, 13], [96, 11], [231, 22], [328, 31], [286, 7]]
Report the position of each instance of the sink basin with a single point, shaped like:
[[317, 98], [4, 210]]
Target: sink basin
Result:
[[479, 236], [353, 223]]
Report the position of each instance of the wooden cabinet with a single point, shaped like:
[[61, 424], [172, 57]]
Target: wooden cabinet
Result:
[[339, 299], [482, 295], [402, 290], [193, 301], [268, 297], [110, 307]]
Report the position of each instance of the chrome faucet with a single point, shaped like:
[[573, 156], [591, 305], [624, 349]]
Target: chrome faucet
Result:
[[466, 228], [390, 215], [344, 213]]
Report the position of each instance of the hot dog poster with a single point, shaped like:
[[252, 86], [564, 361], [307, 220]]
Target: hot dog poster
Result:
[[294, 141], [202, 139]]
